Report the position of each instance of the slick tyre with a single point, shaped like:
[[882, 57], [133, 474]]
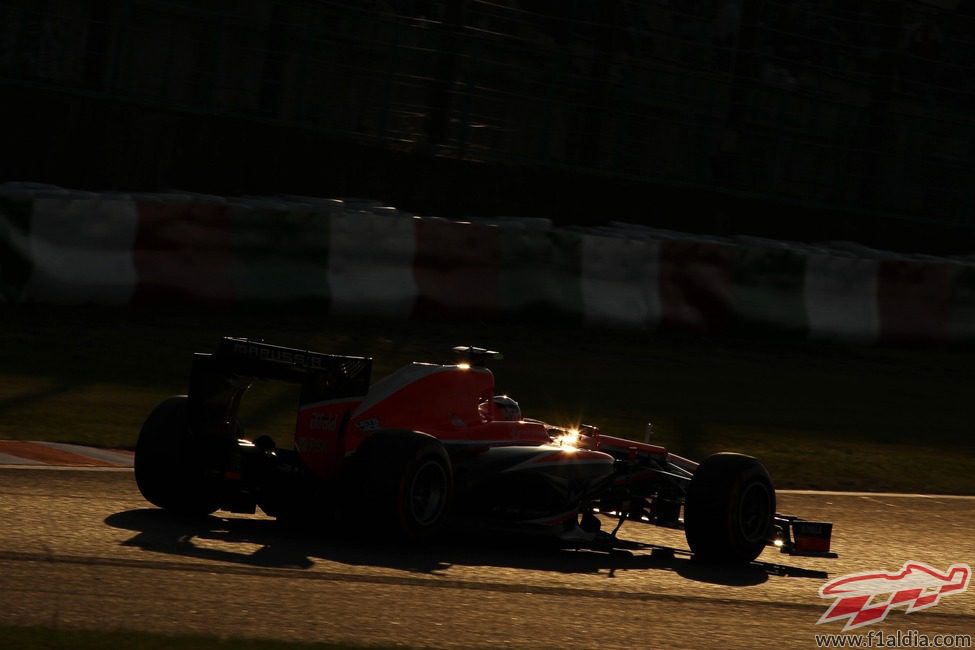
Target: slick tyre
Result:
[[166, 471], [405, 483], [729, 510]]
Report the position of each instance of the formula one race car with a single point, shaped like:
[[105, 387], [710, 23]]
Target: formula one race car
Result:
[[432, 445]]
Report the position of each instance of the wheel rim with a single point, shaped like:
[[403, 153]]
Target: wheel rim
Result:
[[428, 493], [755, 512]]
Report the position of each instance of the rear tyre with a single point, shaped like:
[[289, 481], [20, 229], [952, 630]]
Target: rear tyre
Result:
[[405, 484], [166, 470], [729, 509]]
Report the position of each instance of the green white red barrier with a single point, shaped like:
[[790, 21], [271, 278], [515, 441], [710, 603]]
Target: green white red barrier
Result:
[[64, 247]]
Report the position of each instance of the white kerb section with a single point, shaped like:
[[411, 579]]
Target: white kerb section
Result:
[[841, 298], [81, 248], [620, 281], [370, 263]]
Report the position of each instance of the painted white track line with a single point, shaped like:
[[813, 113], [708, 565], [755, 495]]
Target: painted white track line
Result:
[[895, 495]]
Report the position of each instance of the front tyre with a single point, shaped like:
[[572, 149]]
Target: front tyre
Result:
[[167, 472], [405, 483], [729, 509]]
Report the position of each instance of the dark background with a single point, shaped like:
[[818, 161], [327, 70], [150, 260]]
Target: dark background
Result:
[[800, 119]]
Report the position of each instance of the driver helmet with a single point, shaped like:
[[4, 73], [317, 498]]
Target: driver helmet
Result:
[[500, 407]]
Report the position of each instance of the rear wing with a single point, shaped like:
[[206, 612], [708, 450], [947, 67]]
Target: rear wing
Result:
[[219, 380]]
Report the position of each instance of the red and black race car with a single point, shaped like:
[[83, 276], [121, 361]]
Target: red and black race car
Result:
[[431, 445]]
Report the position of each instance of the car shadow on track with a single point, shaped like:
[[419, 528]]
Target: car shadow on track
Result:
[[267, 543]]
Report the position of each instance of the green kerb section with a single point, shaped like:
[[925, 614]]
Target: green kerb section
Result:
[[279, 253], [540, 271], [15, 263], [961, 305], [768, 289]]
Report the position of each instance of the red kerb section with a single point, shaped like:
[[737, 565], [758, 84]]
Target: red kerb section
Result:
[[183, 250], [913, 299], [696, 290], [456, 267], [45, 455]]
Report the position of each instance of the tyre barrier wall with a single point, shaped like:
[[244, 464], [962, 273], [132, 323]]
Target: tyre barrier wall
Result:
[[64, 247]]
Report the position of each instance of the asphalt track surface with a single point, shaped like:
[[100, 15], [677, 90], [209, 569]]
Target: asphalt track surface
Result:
[[81, 549]]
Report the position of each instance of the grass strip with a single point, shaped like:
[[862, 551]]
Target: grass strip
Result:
[[819, 415]]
